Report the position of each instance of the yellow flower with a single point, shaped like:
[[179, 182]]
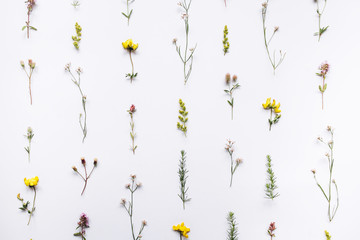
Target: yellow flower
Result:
[[128, 44], [273, 104], [32, 182], [267, 103], [182, 229]]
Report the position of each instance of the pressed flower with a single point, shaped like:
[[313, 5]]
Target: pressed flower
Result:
[[130, 46], [275, 62], [274, 108], [129, 207], [187, 57], [77, 81], [32, 65], [182, 229], [86, 176], [324, 69], [30, 6], [32, 183], [131, 112], [329, 195]]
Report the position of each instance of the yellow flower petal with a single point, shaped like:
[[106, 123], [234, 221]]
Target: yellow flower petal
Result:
[[135, 46], [277, 110], [26, 181], [273, 103]]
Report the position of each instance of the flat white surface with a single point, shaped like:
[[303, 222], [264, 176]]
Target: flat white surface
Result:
[[300, 211]]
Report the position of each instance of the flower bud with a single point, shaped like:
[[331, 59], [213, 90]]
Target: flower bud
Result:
[[313, 171], [83, 162], [95, 162], [227, 78], [234, 78], [22, 63], [74, 168]]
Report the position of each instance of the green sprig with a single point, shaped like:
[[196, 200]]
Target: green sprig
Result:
[[29, 135], [232, 232], [270, 186], [226, 43], [181, 125], [77, 38], [182, 172]]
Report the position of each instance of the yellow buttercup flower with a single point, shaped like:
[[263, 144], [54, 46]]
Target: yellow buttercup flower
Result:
[[182, 229], [32, 182], [128, 44]]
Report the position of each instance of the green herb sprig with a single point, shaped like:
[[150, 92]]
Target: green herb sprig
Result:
[[29, 136], [232, 232], [182, 117], [226, 43], [183, 175], [270, 185], [75, 3], [128, 11], [319, 12]]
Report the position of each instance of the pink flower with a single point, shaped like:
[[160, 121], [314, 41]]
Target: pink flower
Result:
[[132, 109]]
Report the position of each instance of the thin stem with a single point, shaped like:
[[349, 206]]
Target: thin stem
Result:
[[127, 6], [132, 67], [28, 23], [29, 148], [84, 186], [132, 133], [322, 94], [30, 74], [270, 122], [33, 208], [231, 169]]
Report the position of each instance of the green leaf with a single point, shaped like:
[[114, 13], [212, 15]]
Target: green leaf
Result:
[[33, 28], [125, 15], [23, 28], [325, 86], [77, 234]]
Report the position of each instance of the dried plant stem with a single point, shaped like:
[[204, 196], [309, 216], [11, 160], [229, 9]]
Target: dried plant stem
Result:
[[33, 208], [132, 125], [130, 209], [328, 196], [275, 64], [185, 60], [322, 92], [320, 13], [132, 67], [86, 178], [83, 102], [29, 75]]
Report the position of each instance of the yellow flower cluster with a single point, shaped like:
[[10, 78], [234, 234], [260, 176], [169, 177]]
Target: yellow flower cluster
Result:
[[182, 229], [32, 182], [128, 44], [327, 234], [273, 105]]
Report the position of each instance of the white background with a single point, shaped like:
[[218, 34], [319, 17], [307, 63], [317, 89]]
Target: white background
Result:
[[300, 212]]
